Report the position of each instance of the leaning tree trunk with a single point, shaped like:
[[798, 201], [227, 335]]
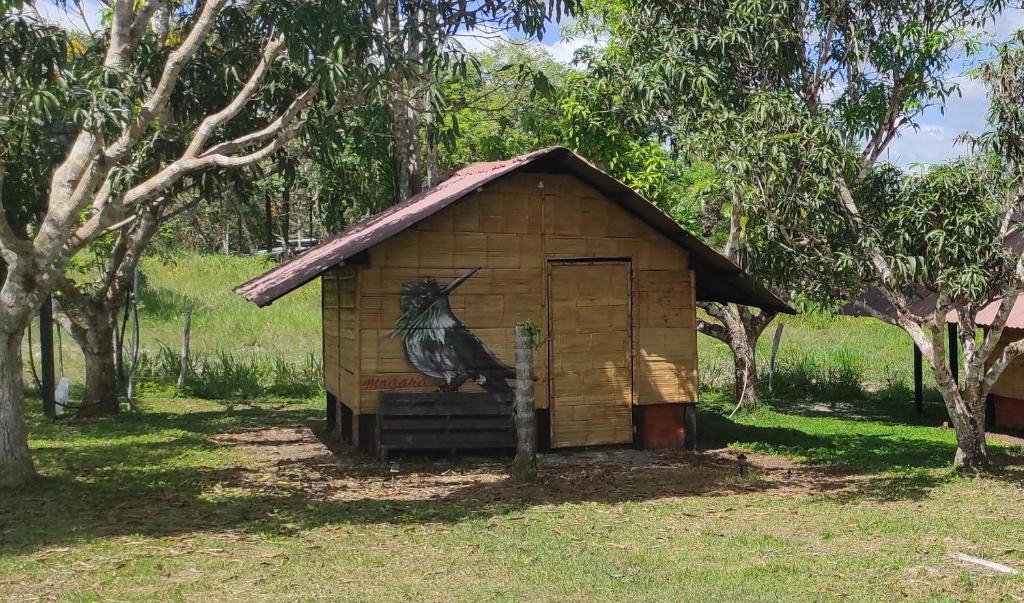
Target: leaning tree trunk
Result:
[[16, 466]]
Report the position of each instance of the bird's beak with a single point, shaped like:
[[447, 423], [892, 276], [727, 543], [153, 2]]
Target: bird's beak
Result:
[[454, 284]]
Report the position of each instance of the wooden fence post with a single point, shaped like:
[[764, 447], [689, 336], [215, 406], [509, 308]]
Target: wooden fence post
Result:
[[46, 357], [186, 338], [524, 467]]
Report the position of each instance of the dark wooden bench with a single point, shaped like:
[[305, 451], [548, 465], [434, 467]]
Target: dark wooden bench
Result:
[[443, 421]]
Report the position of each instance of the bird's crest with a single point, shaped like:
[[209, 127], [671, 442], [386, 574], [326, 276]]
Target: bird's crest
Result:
[[423, 302], [418, 302]]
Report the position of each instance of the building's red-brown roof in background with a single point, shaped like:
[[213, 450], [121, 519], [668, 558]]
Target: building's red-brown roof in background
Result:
[[718, 278], [922, 299]]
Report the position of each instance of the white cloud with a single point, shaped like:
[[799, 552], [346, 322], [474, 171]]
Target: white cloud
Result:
[[564, 50], [935, 140], [1007, 23], [80, 17]]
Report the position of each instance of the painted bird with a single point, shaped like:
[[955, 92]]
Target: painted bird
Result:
[[439, 345]]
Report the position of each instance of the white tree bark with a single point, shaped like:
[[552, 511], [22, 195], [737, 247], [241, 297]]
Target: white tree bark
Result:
[[737, 326], [964, 401]]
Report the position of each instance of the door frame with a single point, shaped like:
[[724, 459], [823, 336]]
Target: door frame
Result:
[[630, 271]]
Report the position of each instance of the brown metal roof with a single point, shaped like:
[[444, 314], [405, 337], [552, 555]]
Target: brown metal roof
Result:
[[1014, 321], [718, 278]]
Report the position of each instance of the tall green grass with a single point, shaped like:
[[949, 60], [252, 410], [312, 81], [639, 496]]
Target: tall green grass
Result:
[[825, 355], [225, 375], [238, 349]]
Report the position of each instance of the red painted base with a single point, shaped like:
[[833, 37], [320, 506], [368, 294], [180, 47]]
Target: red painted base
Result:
[[661, 425], [1009, 413]]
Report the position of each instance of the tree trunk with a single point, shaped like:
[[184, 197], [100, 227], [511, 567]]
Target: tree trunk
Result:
[[524, 466], [747, 386], [405, 132], [100, 373], [16, 466], [968, 419], [268, 217], [739, 328], [186, 357], [286, 217]]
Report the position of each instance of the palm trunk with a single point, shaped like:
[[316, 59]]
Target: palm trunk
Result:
[[16, 466]]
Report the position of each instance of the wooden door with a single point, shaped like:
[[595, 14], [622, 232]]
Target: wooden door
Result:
[[590, 355]]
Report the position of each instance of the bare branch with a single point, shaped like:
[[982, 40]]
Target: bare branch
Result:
[[995, 332], [732, 244], [272, 129], [1012, 351], [711, 329]]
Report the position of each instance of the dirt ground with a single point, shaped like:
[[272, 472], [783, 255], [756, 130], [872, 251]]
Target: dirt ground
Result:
[[291, 457]]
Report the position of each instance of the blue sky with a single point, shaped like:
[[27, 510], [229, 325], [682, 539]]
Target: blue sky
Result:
[[933, 141]]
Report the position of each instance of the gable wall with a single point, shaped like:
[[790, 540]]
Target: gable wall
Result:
[[510, 229]]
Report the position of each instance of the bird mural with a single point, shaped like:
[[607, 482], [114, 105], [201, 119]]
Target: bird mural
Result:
[[439, 345]]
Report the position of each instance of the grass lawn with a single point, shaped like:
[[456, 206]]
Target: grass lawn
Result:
[[204, 500], [193, 499]]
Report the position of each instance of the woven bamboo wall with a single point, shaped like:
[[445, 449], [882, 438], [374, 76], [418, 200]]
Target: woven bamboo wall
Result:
[[341, 334], [1011, 382], [510, 229]]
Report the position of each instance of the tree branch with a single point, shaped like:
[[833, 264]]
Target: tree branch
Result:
[[252, 85], [711, 329], [176, 61]]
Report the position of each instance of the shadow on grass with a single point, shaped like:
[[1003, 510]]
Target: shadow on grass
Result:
[[869, 407], [165, 474]]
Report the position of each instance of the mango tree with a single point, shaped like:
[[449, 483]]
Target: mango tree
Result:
[[100, 184], [689, 72]]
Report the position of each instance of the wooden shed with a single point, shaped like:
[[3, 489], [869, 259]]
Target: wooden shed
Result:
[[425, 297]]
